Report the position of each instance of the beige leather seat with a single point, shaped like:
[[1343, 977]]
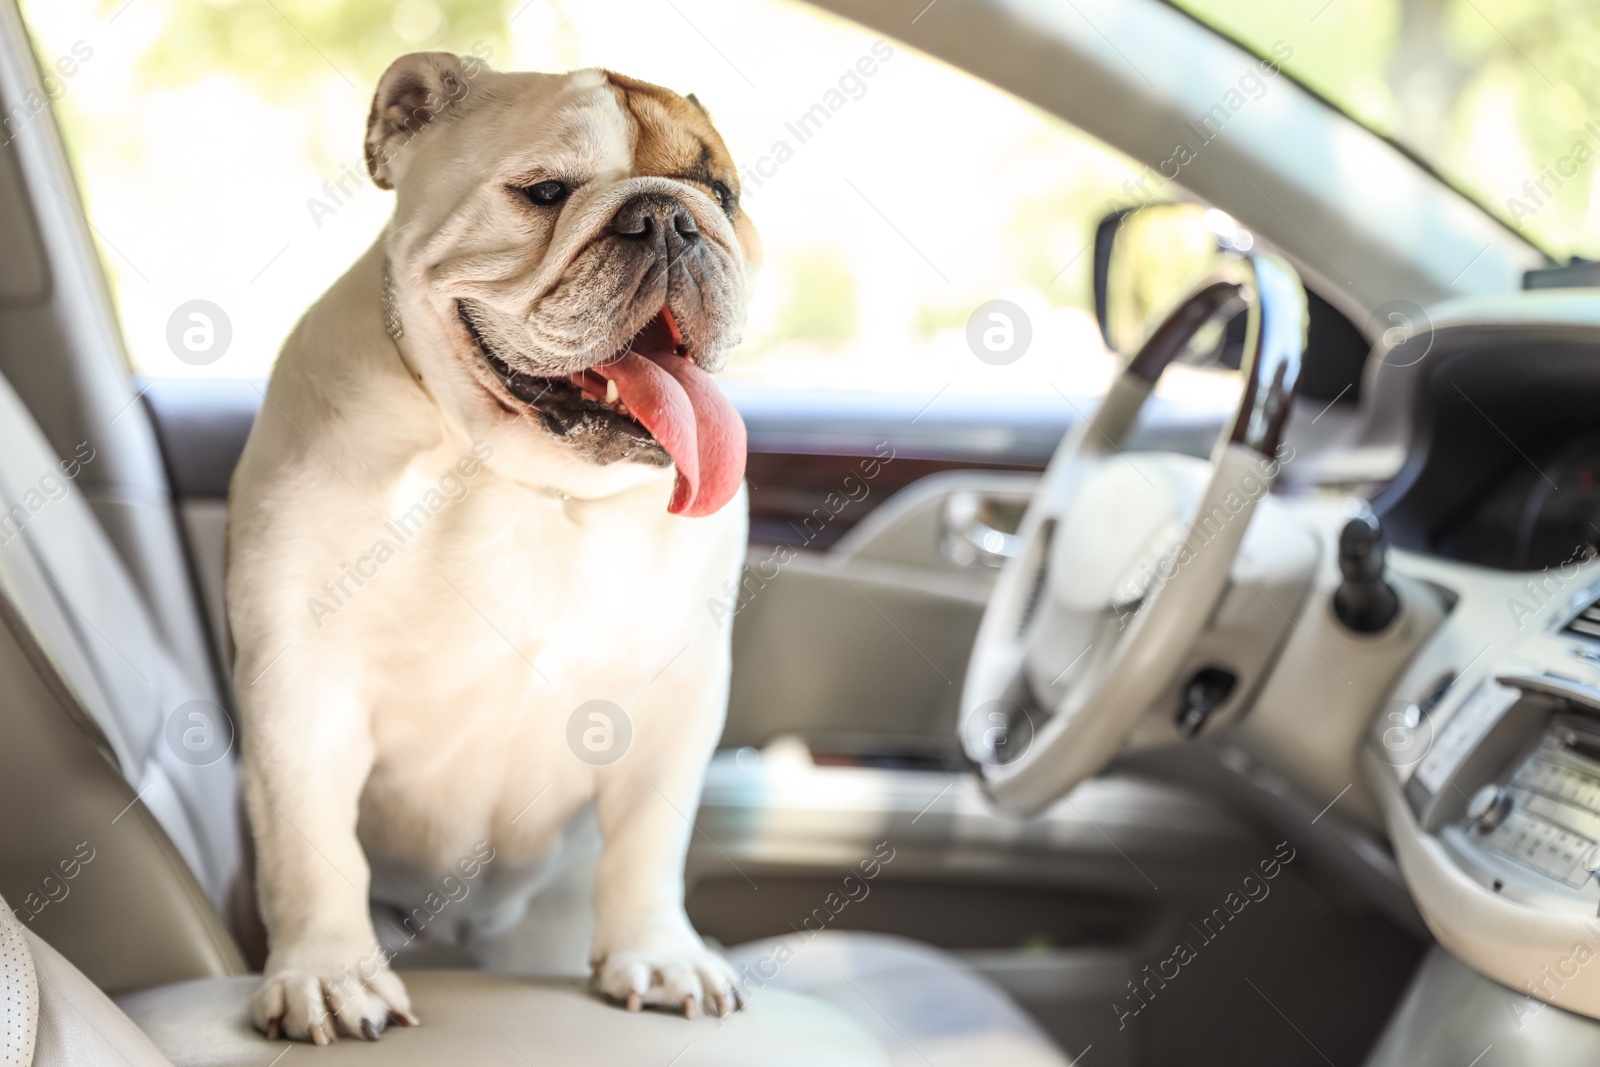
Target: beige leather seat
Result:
[[129, 891], [56, 1017], [923, 1011], [120, 842], [921, 1006]]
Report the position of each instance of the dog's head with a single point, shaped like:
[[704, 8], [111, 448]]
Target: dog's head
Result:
[[568, 258]]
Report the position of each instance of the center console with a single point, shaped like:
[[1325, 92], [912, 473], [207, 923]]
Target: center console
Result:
[[1529, 828], [1490, 781]]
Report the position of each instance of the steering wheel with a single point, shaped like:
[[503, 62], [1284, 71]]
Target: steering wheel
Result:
[[1093, 617]]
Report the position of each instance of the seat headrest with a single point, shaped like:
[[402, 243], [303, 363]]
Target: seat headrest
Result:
[[19, 994]]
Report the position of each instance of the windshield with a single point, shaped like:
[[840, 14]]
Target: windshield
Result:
[[1501, 97], [220, 146]]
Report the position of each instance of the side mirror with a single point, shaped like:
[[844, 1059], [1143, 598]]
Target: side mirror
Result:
[[1148, 259]]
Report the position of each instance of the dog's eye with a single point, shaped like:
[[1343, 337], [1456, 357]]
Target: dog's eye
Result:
[[546, 192], [725, 197]]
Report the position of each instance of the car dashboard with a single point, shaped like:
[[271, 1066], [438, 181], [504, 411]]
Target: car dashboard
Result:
[[1484, 755], [1541, 513], [1503, 462]]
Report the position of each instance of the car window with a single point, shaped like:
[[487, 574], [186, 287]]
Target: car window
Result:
[[1500, 96], [925, 233]]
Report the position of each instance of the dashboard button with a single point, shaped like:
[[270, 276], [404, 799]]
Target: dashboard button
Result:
[[1489, 807]]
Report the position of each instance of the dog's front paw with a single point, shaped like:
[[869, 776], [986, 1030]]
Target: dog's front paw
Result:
[[314, 994], [684, 976]]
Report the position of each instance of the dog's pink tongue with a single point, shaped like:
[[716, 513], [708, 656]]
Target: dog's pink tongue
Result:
[[687, 414]]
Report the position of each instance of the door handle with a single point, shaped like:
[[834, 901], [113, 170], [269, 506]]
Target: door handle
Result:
[[968, 538]]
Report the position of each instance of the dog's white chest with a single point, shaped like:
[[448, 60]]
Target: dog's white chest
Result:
[[497, 619]]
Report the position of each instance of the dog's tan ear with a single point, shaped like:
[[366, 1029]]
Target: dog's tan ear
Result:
[[416, 91]]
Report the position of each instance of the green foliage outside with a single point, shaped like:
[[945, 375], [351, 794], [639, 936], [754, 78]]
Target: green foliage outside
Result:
[[271, 43], [821, 299], [1498, 95], [1492, 93]]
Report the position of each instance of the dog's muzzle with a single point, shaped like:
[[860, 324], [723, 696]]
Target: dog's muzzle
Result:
[[660, 223]]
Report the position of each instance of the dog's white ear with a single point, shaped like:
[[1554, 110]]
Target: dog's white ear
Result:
[[416, 91]]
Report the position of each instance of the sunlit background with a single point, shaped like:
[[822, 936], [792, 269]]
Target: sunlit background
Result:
[[203, 134], [1494, 94], [218, 144]]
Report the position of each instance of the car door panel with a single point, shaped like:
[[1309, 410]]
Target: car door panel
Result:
[[849, 622]]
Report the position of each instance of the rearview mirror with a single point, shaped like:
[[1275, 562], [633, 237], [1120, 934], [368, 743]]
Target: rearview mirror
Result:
[[1148, 259]]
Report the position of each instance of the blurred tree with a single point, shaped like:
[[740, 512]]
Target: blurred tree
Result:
[[1539, 54], [821, 304], [1425, 75], [1452, 80], [276, 45]]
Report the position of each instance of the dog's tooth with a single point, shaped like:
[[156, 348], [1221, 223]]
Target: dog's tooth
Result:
[[611, 392]]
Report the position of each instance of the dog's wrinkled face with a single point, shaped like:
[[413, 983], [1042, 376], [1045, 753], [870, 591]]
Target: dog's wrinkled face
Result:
[[569, 251]]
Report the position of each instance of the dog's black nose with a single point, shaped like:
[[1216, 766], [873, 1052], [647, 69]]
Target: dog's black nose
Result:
[[656, 218]]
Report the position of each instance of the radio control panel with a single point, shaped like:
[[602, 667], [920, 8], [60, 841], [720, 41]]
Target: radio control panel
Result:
[[1534, 830], [1552, 807]]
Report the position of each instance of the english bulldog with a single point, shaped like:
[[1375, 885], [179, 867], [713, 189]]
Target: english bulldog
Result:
[[493, 483]]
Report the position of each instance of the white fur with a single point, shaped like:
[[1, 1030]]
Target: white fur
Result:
[[425, 711]]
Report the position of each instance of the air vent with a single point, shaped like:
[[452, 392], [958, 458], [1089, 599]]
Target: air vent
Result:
[[1587, 624]]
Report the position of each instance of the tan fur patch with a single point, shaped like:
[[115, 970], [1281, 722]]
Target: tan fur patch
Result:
[[674, 138]]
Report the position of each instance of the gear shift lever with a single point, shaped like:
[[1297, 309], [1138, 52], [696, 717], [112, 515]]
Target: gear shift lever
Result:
[[1364, 602]]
